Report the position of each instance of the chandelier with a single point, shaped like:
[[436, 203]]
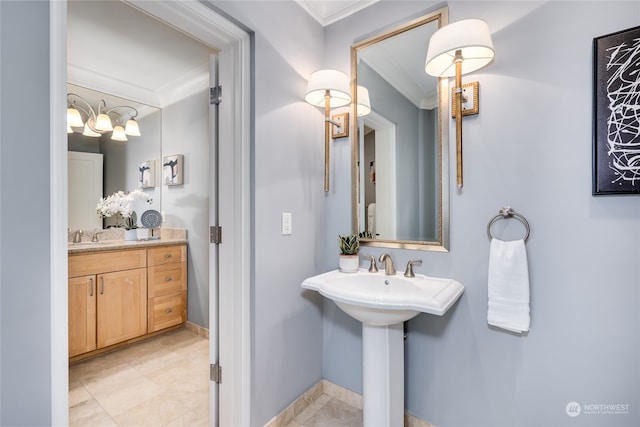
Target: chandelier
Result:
[[119, 120]]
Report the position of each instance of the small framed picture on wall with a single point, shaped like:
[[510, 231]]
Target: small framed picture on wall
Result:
[[173, 169], [147, 174]]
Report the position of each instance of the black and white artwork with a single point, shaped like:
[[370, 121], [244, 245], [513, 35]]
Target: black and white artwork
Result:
[[146, 174], [172, 169], [616, 105]]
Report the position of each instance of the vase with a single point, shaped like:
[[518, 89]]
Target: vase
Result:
[[131, 235], [349, 263]]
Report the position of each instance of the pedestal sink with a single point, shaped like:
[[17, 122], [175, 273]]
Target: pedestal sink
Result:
[[382, 303]]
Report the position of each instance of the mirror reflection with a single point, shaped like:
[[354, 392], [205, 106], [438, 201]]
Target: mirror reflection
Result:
[[99, 165], [400, 156]]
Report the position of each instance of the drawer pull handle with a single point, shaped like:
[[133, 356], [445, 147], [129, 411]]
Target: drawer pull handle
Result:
[[167, 255], [101, 285], [168, 279], [91, 288], [169, 310]]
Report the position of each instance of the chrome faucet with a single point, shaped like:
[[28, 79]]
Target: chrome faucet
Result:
[[77, 236], [95, 236], [389, 269]]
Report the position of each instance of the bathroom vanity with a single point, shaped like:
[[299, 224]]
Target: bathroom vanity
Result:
[[124, 291]]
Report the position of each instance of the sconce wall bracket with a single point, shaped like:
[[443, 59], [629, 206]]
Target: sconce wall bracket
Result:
[[340, 128], [470, 100]]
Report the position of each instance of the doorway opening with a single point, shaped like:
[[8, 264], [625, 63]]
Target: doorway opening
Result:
[[202, 23]]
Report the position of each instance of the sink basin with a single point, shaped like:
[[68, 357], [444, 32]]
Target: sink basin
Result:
[[381, 300], [382, 303]]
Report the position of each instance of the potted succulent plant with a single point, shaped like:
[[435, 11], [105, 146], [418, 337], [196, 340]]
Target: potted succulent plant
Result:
[[349, 260]]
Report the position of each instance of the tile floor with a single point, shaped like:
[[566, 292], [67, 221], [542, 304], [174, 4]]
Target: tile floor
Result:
[[163, 381], [328, 411]]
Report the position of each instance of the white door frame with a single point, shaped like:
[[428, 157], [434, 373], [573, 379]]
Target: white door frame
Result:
[[204, 24]]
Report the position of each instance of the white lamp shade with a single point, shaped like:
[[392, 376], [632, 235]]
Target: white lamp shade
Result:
[[103, 123], [73, 118], [88, 132], [336, 82], [132, 128], [118, 134], [470, 36], [69, 130], [364, 104]]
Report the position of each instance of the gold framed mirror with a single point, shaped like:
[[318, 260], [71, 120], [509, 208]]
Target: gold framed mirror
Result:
[[400, 148]]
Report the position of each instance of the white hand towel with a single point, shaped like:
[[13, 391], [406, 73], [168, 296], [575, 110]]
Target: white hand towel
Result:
[[509, 286]]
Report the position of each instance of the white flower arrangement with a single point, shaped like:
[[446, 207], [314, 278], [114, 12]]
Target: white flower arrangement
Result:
[[120, 205]]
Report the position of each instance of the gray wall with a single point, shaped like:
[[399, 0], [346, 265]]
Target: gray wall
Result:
[[185, 130], [530, 147], [25, 298]]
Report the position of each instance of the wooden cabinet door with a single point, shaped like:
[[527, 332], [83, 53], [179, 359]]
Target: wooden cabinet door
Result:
[[122, 306], [82, 314]]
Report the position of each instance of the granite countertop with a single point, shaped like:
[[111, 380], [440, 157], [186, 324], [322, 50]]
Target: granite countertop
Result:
[[113, 239], [109, 245]]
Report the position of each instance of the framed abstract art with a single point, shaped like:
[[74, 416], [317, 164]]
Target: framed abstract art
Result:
[[616, 109]]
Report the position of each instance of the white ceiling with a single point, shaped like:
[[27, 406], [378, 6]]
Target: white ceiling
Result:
[[329, 11], [114, 48], [400, 61], [117, 49]]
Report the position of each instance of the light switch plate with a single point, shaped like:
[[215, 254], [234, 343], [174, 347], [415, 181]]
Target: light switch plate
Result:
[[287, 226], [341, 127]]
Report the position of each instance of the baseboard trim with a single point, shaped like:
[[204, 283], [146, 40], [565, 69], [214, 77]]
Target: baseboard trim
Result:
[[197, 329], [333, 390]]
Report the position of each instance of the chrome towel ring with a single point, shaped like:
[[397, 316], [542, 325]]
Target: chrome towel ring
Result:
[[505, 213]]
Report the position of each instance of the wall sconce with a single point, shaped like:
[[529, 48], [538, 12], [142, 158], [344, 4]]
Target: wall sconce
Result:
[[97, 124], [328, 89], [363, 107], [456, 49]]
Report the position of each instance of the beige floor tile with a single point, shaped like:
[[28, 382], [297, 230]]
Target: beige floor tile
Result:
[[161, 360], [78, 394], [156, 382], [335, 413], [182, 377], [89, 413], [313, 408], [121, 388], [155, 412], [85, 370], [190, 419]]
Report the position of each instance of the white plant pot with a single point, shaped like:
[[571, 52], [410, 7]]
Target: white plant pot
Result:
[[142, 233], [349, 263], [131, 235]]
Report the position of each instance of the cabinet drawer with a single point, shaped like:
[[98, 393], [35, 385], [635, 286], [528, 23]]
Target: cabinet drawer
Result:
[[167, 279], [106, 261], [167, 311], [166, 254]]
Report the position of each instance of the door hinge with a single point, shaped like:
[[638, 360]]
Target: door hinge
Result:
[[215, 95], [215, 234], [215, 373]]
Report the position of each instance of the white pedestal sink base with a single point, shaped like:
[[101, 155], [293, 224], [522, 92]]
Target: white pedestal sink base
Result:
[[383, 375], [380, 299]]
